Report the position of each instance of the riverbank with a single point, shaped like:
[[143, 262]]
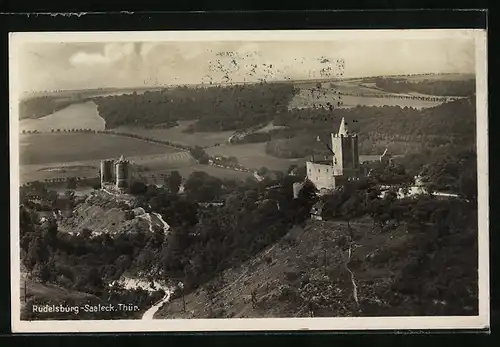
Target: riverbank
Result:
[[76, 116]]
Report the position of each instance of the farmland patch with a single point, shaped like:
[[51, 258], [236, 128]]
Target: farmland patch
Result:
[[61, 147], [253, 156], [178, 136]]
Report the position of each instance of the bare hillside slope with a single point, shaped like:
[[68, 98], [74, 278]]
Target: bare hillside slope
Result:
[[316, 271]]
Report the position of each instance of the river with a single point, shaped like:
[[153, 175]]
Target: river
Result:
[[76, 116]]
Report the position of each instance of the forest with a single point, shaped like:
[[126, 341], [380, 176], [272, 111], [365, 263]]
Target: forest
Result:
[[217, 108], [83, 263], [206, 240], [216, 238], [439, 264], [403, 129]]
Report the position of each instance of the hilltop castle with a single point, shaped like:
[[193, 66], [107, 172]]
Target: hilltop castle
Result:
[[344, 164], [115, 174]]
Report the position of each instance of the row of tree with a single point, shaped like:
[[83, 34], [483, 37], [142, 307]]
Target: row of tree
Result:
[[59, 130]]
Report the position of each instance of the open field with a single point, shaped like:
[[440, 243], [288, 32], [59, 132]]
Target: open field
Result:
[[76, 116], [252, 156], [60, 147], [355, 87], [353, 101], [176, 135], [305, 99], [436, 77], [90, 168], [270, 127], [156, 165], [155, 175]]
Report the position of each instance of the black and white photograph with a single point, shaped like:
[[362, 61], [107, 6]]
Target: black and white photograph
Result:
[[257, 180]]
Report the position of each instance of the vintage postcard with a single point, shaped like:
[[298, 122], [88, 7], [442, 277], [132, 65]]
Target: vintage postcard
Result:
[[249, 180]]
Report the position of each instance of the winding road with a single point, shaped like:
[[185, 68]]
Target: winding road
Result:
[[148, 315]]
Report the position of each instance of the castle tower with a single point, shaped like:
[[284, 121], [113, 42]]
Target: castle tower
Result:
[[122, 173], [346, 155], [106, 171]]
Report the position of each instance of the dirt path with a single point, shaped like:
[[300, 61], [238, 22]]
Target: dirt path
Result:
[[166, 227], [148, 315], [147, 216]]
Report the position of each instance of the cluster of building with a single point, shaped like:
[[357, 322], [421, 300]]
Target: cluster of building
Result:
[[342, 165], [346, 164], [115, 174]]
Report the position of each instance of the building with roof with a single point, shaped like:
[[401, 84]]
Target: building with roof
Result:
[[342, 165], [331, 171]]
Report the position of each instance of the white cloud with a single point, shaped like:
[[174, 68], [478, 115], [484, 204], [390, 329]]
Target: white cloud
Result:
[[113, 52], [78, 65]]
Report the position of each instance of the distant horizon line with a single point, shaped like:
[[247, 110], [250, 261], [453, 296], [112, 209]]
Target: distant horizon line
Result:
[[311, 80]]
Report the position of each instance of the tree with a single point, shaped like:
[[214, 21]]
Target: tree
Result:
[[138, 188], [94, 279], [202, 187], [279, 175], [52, 232], [199, 154], [291, 168], [43, 271], [52, 197], [37, 252], [262, 171], [233, 160], [71, 183], [174, 181], [353, 207], [391, 174]]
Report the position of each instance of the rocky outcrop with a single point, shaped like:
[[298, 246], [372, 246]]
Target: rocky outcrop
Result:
[[102, 213]]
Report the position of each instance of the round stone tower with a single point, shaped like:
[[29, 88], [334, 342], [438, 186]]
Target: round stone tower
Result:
[[106, 171], [122, 173]]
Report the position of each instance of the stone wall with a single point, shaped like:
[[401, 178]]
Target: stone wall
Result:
[[322, 175]]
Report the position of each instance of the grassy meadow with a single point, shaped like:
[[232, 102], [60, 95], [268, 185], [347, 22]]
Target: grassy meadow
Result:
[[177, 135], [252, 155], [63, 147]]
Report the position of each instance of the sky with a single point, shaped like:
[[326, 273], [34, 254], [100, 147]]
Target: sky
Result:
[[72, 65]]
